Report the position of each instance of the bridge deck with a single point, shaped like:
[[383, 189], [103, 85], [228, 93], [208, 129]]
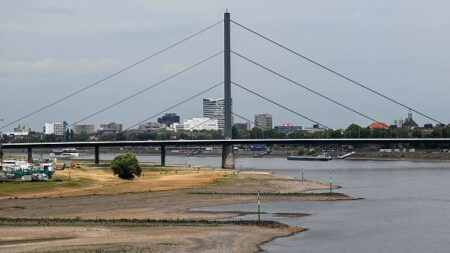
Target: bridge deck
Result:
[[156, 143]]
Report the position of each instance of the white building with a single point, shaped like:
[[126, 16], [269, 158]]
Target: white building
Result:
[[20, 130], [200, 124], [215, 109], [54, 128]]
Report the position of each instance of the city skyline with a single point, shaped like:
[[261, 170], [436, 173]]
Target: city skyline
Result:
[[261, 120], [391, 58]]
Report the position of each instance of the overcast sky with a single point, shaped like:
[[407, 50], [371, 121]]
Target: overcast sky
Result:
[[49, 49]]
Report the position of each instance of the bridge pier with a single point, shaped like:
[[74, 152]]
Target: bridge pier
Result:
[[30, 154], [163, 155], [1, 155], [97, 155], [227, 157]]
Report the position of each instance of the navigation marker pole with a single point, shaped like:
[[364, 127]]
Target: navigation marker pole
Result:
[[331, 184], [302, 174], [259, 209]]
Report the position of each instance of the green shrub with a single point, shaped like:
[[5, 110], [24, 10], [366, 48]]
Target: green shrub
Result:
[[126, 166]]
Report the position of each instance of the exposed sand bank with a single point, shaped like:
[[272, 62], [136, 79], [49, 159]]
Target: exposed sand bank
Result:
[[159, 194], [217, 238]]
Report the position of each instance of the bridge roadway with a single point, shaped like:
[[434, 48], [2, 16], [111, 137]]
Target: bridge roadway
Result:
[[223, 142]]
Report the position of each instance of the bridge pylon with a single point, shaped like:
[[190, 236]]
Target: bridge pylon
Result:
[[227, 149]]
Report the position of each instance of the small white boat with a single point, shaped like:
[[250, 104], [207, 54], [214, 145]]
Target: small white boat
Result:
[[346, 155]]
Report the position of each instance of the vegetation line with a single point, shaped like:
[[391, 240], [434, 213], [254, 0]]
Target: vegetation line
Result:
[[4, 221], [300, 194]]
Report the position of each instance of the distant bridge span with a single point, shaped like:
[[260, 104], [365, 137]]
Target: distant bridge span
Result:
[[223, 142]]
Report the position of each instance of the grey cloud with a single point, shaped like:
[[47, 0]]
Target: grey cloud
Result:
[[54, 66], [397, 47]]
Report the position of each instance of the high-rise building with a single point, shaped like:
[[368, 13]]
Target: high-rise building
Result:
[[200, 124], [215, 109], [78, 129], [54, 128], [263, 121], [168, 119], [111, 127]]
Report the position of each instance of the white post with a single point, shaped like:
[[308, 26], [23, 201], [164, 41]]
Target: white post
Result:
[[331, 184]]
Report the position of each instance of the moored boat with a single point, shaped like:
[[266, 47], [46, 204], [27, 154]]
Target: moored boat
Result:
[[64, 153], [310, 158]]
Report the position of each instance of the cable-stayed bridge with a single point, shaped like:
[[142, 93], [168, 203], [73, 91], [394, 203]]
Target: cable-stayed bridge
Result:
[[227, 82], [163, 144]]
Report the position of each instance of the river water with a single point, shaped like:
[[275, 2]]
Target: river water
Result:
[[405, 205], [406, 208]]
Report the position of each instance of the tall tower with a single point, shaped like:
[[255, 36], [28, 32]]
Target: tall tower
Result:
[[227, 76], [227, 149]]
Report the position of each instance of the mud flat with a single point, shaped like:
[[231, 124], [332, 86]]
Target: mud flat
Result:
[[161, 195]]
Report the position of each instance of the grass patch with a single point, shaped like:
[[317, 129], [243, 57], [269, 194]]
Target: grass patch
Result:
[[18, 207], [226, 179], [7, 189], [13, 207], [155, 169]]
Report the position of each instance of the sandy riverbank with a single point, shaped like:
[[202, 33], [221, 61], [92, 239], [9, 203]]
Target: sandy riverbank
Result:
[[36, 235], [226, 238], [160, 194]]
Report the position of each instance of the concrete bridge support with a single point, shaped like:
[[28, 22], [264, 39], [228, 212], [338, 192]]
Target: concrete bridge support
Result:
[[97, 155], [163, 155], [1, 156], [30, 154], [227, 157]]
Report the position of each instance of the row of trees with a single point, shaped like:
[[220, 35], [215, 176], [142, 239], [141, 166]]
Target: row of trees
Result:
[[352, 131]]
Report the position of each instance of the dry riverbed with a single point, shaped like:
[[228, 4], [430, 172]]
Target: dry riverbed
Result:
[[167, 194]]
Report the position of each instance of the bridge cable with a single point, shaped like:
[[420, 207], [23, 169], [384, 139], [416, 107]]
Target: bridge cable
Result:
[[112, 75], [176, 105], [337, 73], [280, 105], [146, 89], [306, 88]]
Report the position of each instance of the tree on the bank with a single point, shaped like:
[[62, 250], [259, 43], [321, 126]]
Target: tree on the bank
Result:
[[126, 166]]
